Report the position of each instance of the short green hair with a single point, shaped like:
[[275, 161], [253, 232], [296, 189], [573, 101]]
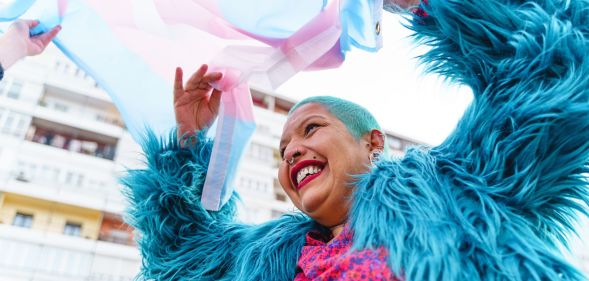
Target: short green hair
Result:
[[357, 119]]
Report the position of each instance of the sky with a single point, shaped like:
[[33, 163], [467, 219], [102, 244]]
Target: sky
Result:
[[392, 86]]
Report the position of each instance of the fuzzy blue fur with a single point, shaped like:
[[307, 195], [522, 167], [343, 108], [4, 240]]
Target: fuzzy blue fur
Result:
[[180, 240], [493, 202]]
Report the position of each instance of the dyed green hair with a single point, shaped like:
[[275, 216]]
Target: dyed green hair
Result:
[[357, 119]]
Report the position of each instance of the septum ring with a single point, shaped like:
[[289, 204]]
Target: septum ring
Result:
[[292, 158], [290, 161]]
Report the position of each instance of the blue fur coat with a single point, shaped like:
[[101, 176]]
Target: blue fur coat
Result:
[[495, 201]]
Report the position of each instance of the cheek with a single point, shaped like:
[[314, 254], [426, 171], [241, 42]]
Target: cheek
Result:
[[351, 162], [283, 177], [284, 180]]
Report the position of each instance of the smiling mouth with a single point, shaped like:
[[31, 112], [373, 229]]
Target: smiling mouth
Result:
[[306, 171]]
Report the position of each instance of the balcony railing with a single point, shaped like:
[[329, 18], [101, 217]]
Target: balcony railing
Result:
[[118, 237], [88, 147]]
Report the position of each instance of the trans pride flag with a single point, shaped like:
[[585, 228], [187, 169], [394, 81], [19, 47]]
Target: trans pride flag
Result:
[[132, 47]]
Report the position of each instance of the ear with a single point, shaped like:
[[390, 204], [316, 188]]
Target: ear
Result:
[[377, 139], [374, 140]]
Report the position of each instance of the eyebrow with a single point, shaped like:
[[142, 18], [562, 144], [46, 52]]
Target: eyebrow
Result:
[[282, 141]]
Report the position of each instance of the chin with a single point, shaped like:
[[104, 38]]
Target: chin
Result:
[[310, 205]]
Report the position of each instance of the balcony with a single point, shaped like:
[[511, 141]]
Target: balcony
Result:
[[72, 139], [113, 229]]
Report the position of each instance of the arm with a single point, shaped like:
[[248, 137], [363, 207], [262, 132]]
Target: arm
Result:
[[165, 209], [491, 202], [526, 134], [178, 238]]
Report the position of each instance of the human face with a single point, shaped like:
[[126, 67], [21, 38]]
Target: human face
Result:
[[321, 144]]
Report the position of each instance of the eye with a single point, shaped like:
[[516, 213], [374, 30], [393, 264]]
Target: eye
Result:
[[311, 127]]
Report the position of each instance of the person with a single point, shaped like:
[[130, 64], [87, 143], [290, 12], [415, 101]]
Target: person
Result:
[[495, 201], [17, 43]]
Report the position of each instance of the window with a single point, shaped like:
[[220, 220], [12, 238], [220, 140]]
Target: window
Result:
[[261, 152], [69, 178], [14, 90], [395, 143], [23, 220], [60, 107], [8, 123], [49, 174], [280, 196], [57, 65], [80, 180], [14, 123], [72, 229], [3, 85], [276, 214]]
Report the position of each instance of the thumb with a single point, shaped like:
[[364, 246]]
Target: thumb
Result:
[[215, 101]]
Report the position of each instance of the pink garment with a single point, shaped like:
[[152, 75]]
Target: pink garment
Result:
[[323, 260]]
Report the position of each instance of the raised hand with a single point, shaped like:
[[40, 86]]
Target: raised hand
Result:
[[196, 104], [17, 43]]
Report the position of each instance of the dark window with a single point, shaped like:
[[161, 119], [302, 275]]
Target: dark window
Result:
[[14, 91], [23, 220], [72, 229]]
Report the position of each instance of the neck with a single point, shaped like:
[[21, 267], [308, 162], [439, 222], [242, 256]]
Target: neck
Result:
[[336, 230]]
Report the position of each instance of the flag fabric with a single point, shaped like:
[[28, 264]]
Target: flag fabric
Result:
[[132, 47]]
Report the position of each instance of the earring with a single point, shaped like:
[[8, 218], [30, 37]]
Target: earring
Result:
[[375, 155]]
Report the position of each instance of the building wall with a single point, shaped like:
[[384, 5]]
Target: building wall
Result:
[[51, 216], [59, 137]]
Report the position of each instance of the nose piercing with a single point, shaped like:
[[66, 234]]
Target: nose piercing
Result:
[[292, 158], [290, 161]]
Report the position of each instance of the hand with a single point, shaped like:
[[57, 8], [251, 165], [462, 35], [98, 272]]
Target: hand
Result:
[[196, 105], [17, 43]]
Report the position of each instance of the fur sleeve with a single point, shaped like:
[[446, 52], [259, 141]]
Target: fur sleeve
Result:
[[495, 200], [526, 134], [180, 240]]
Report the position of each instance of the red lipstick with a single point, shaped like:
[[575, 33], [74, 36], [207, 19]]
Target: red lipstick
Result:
[[301, 165]]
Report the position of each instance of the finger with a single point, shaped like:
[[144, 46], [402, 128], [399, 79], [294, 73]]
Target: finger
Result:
[[196, 78], [30, 23], [212, 77], [178, 89], [46, 37], [215, 101]]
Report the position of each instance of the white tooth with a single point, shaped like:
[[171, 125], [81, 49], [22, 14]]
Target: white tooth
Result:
[[309, 170]]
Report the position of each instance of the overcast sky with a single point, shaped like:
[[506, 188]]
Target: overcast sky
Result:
[[390, 84]]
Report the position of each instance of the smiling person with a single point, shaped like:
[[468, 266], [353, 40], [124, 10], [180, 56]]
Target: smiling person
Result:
[[495, 201]]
